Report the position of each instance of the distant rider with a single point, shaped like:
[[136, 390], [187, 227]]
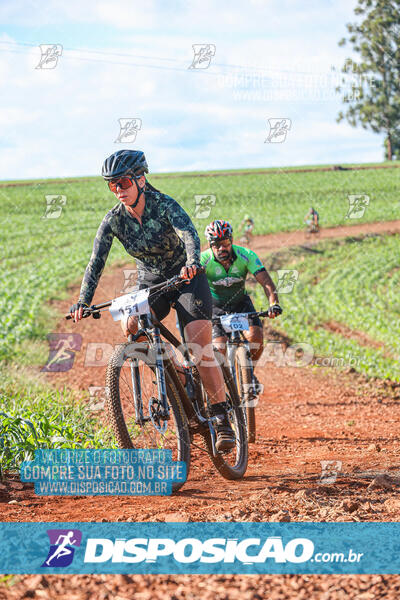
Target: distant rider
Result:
[[312, 220], [247, 225]]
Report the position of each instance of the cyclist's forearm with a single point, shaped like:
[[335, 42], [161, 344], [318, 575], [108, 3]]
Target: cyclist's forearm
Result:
[[95, 268], [184, 227], [89, 284], [192, 247], [268, 285], [271, 294]]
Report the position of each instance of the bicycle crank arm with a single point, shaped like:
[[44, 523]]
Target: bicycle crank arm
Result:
[[142, 420], [213, 438]]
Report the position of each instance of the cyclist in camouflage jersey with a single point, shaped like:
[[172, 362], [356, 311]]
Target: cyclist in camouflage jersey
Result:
[[227, 266], [158, 233]]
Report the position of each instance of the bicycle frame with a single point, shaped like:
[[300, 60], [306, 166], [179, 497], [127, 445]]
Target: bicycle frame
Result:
[[236, 339], [161, 414], [191, 388], [152, 330]]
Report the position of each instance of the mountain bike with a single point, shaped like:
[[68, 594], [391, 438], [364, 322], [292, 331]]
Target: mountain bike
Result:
[[241, 364], [312, 230], [147, 403]]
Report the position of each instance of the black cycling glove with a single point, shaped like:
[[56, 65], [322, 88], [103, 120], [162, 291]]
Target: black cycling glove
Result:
[[77, 306], [274, 310]]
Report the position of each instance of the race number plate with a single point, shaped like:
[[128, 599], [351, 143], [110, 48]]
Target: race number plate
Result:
[[235, 322], [134, 303]]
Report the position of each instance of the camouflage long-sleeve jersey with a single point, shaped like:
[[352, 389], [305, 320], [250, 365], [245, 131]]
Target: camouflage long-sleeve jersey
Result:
[[166, 240]]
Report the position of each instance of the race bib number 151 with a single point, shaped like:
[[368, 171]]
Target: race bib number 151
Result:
[[134, 303]]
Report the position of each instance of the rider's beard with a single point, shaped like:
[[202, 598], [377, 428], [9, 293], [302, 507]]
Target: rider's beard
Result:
[[224, 255]]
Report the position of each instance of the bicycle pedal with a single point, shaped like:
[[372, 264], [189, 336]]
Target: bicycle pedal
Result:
[[227, 451]]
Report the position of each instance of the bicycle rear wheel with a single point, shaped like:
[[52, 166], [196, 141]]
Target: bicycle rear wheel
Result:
[[231, 464], [135, 425], [244, 380]]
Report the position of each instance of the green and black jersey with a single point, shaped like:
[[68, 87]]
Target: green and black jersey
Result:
[[228, 287], [165, 241]]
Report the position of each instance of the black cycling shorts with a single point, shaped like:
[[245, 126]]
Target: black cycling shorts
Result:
[[192, 300], [244, 305]]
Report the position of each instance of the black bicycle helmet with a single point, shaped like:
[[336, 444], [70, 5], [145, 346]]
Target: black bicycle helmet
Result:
[[124, 162]]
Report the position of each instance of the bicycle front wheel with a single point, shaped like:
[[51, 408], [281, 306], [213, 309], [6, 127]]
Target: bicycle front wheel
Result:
[[132, 402], [244, 380], [233, 463]]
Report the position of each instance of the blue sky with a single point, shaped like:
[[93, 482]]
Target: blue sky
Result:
[[130, 59]]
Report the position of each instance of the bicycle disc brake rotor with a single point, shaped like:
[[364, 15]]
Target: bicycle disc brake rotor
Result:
[[157, 416]]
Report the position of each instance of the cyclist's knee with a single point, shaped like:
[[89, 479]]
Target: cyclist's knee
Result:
[[254, 335], [256, 350], [255, 338], [219, 343], [129, 325]]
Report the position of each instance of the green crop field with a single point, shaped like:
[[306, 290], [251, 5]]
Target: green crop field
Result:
[[351, 282], [33, 415], [42, 255]]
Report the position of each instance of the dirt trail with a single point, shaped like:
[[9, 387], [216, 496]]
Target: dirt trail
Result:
[[281, 240], [305, 416]]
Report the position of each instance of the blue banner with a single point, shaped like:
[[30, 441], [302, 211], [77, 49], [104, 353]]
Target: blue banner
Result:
[[172, 548], [68, 472]]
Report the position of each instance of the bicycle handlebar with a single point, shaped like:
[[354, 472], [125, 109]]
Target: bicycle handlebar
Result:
[[263, 313], [175, 281]]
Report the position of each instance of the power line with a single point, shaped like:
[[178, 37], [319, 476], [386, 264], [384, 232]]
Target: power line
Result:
[[254, 69]]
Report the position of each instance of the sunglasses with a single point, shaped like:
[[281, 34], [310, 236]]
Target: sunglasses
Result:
[[124, 183], [224, 243]]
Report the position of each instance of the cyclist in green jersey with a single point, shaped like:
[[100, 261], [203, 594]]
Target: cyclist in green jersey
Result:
[[227, 266], [158, 233]]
